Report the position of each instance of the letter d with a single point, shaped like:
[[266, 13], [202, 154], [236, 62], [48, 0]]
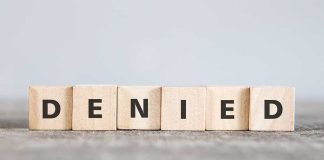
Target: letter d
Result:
[[45, 108], [267, 109]]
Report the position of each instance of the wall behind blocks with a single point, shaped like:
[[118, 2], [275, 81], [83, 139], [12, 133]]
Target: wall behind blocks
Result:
[[170, 42]]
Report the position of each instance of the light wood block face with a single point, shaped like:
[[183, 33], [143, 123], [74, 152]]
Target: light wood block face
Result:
[[263, 119], [183, 108], [56, 102], [227, 108], [94, 107], [139, 107]]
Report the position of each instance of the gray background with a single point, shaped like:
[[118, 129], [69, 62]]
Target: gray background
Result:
[[169, 42], [166, 42]]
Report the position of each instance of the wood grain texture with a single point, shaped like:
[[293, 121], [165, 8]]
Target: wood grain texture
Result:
[[171, 108], [152, 94], [241, 97], [285, 95], [61, 94], [81, 96]]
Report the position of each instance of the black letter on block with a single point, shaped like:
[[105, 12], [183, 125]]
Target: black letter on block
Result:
[[224, 109], [267, 109], [92, 108], [45, 108], [183, 109], [135, 103]]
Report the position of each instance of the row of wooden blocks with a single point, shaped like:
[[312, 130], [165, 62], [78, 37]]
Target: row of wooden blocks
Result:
[[111, 107]]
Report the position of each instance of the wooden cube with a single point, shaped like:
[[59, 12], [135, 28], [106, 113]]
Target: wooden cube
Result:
[[183, 108], [94, 107], [139, 107], [272, 109], [227, 108], [50, 107]]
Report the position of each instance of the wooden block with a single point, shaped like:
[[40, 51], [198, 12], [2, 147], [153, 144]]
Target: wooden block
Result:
[[265, 106], [183, 108], [94, 107], [139, 107], [227, 108], [50, 108]]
